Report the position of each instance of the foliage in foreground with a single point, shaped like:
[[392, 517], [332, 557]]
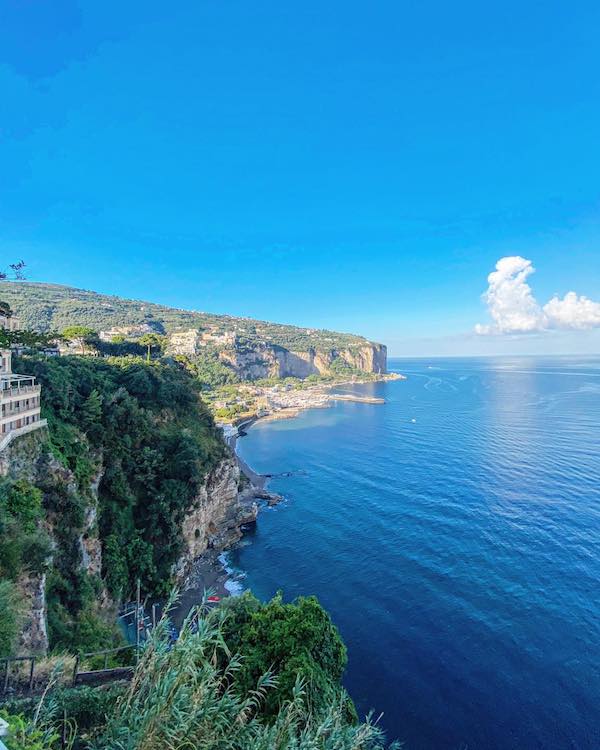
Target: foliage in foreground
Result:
[[186, 695], [26, 734], [81, 711], [194, 694]]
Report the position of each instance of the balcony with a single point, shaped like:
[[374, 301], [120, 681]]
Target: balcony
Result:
[[10, 415], [18, 390]]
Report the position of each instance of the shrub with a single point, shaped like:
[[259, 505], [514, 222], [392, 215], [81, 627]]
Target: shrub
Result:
[[295, 640], [25, 735]]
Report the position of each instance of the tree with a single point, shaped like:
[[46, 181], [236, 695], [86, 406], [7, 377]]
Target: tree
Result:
[[184, 695], [91, 415], [80, 335], [26, 339], [15, 271], [151, 340]]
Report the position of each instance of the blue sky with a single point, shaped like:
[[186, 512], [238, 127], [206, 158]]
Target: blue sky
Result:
[[358, 166]]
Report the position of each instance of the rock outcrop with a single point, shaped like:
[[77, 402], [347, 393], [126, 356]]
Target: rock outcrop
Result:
[[30, 458], [264, 360], [215, 519], [22, 459]]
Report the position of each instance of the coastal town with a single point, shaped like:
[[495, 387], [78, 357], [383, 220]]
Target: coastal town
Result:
[[239, 404]]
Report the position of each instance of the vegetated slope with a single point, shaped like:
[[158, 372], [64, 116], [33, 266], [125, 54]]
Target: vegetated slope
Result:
[[48, 307], [129, 449]]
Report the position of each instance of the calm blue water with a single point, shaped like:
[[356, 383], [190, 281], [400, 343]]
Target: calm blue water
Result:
[[454, 535]]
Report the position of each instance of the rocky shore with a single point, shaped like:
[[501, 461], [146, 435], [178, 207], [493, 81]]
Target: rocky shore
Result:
[[207, 571]]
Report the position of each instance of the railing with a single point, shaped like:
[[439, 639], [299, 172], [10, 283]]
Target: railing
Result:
[[13, 415], [19, 390], [15, 660], [15, 681], [106, 674], [10, 436]]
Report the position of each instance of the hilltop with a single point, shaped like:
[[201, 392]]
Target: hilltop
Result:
[[47, 307], [250, 349]]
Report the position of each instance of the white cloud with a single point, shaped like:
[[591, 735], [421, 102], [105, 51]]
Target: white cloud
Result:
[[514, 309], [572, 312]]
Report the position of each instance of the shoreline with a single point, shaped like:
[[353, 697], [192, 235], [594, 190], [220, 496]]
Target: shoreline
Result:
[[209, 571]]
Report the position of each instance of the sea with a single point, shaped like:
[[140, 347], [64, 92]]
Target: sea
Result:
[[453, 533]]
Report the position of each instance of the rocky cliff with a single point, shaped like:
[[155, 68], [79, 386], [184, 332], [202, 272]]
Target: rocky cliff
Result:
[[215, 519], [24, 459], [252, 360], [30, 458], [252, 348]]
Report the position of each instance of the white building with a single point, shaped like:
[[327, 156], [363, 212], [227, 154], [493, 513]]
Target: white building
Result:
[[19, 402], [9, 323]]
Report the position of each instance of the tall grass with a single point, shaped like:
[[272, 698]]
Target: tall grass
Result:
[[182, 697]]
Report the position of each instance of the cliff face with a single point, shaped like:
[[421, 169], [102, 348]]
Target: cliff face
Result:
[[213, 521], [215, 518], [370, 358], [23, 459], [367, 358], [30, 458], [262, 360]]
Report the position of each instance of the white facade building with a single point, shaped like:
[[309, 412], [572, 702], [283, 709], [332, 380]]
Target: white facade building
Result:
[[19, 402], [9, 323]]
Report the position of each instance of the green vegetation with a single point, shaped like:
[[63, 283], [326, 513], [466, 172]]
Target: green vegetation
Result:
[[142, 431], [130, 443], [296, 641], [27, 734], [10, 619], [156, 441], [151, 341], [197, 693], [82, 710], [189, 695], [82, 336], [27, 339], [25, 548], [208, 369]]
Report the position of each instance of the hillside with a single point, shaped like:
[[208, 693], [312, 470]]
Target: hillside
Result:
[[249, 349], [47, 307]]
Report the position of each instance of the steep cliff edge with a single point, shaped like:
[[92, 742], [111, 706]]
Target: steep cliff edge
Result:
[[215, 519], [29, 459], [258, 359], [250, 349], [132, 481]]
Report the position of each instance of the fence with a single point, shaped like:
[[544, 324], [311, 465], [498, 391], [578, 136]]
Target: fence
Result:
[[26, 675], [20, 676]]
